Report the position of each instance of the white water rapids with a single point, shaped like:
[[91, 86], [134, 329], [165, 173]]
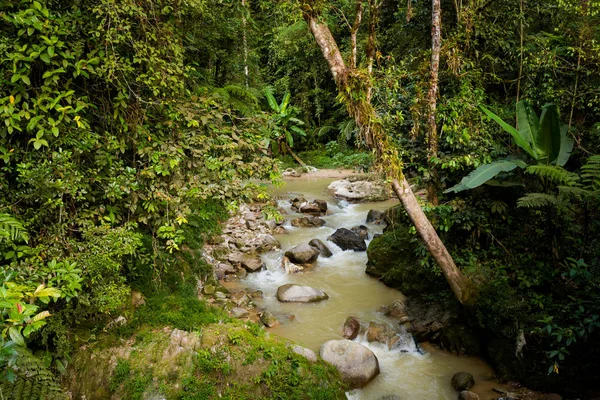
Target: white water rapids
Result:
[[405, 371]]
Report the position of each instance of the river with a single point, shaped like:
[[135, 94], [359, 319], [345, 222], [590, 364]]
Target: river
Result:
[[405, 371]]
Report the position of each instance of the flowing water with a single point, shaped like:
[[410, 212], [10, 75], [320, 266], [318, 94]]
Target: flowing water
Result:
[[407, 371]]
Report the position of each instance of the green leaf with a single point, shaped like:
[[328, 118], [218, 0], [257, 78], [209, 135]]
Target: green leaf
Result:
[[566, 147], [16, 336], [519, 139], [483, 174], [527, 122], [548, 139], [271, 99], [15, 78], [45, 58]]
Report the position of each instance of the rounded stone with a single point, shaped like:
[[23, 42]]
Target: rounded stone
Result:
[[291, 293], [462, 381], [357, 364]]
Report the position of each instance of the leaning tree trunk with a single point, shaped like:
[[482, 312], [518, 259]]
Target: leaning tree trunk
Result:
[[436, 44], [364, 115]]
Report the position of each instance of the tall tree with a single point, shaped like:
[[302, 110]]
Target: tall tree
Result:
[[354, 88], [436, 44]]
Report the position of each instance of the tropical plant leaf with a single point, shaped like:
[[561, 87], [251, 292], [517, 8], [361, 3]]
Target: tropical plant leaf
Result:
[[590, 173], [271, 99], [566, 147], [537, 200], [553, 173], [548, 138], [519, 139], [285, 102], [528, 123], [484, 173]]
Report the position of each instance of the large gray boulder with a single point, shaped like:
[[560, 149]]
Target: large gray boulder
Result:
[[306, 353], [291, 293], [302, 254], [359, 191], [308, 222], [348, 240], [374, 217], [357, 364], [319, 245]]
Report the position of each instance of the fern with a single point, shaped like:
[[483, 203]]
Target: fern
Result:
[[239, 98], [590, 173], [11, 229], [553, 173], [33, 381], [537, 200]]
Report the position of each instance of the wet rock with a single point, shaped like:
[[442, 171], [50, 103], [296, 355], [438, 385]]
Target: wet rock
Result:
[[319, 245], [306, 353], [291, 293], [279, 230], [290, 172], [466, 395], [374, 217], [209, 289], [289, 267], [239, 312], [257, 294], [322, 206], [360, 191], [395, 310], [296, 202], [302, 254], [351, 328], [308, 222], [357, 364], [240, 298], [362, 231], [248, 262], [268, 319], [462, 381], [380, 332], [348, 240], [311, 208]]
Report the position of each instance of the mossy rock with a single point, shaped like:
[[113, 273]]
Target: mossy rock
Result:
[[229, 360], [392, 259]]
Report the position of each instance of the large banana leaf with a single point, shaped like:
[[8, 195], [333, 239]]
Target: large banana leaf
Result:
[[566, 147], [484, 173], [527, 122], [271, 100], [548, 138], [520, 139]]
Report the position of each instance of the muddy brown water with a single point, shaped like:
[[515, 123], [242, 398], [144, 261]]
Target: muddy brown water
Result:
[[405, 371]]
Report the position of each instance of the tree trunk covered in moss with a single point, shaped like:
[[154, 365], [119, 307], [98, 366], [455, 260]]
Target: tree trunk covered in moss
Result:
[[436, 44], [349, 80]]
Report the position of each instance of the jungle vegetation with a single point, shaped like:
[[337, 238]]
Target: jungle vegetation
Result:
[[130, 128]]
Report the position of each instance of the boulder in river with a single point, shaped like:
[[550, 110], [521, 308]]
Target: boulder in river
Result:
[[357, 364], [466, 395], [362, 231], [319, 245], [291, 293], [351, 328], [360, 191], [374, 217], [296, 202], [462, 381], [380, 332], [302, 254], [348, 240], [308, 222], [316, 208]]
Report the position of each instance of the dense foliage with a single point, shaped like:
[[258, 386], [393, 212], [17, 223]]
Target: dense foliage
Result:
[[130, 127]]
